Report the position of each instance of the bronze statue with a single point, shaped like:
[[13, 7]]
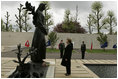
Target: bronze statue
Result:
[[37, 68], [38, 41]]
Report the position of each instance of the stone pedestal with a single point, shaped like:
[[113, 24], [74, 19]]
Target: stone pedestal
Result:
[[37, 70]]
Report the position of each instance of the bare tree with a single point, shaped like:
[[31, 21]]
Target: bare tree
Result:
[[7, 21], [19, 18], [25, 21], [2, 25], [89, 24], [76, 18]]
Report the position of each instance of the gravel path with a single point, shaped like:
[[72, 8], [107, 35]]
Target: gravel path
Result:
[[74, 55]]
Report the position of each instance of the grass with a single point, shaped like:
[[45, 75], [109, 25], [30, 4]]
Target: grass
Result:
[[109, 51], [112, 51], [49, 50]]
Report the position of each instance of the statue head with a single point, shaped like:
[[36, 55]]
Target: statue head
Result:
[[42, 6]]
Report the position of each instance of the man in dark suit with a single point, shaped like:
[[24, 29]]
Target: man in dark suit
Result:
[[66, 61], [83, 49], [61, 48]]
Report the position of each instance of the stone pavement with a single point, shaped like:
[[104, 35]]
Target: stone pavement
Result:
[[78, 69]]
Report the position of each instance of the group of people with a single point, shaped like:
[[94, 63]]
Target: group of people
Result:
[[62, 48], [66, 56]]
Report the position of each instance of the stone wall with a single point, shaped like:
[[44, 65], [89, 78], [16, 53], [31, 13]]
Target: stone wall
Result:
[[14, 38]]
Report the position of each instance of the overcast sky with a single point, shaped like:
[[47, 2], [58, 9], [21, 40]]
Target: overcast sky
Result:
[[57, 10]]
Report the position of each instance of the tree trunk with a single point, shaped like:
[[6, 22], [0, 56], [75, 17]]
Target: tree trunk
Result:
[[90, 29], [52, 47], [98, 26], [110, 31], [104, 49]]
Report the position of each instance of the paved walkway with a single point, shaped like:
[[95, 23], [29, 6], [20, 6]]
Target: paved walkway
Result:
[[79, 70]]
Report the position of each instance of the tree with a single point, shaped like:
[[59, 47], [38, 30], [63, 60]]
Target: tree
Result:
[[69, 25], [67, 16], [110, 22], [102, 39], [2, 25], [47, 15], [7, 21], [89, 23], [52, 36], [25, 21], [97, 15], [11, 29], [19, 18], [17, 30], [77, 29]]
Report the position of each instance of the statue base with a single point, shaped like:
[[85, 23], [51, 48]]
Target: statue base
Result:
[[31, 70]]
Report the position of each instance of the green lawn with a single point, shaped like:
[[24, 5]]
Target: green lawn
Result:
[[112, 51], [49, 50]]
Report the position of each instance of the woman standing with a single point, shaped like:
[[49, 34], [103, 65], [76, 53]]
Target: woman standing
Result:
[[66, 61]]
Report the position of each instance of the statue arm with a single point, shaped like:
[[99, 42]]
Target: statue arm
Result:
[[29, 7], [37, 20]]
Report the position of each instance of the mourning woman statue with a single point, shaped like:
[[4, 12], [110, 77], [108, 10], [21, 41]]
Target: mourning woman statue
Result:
[[38, 41]]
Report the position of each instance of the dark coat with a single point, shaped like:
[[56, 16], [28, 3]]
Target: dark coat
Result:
[[83, 47], [67, 55], [61, 46]]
